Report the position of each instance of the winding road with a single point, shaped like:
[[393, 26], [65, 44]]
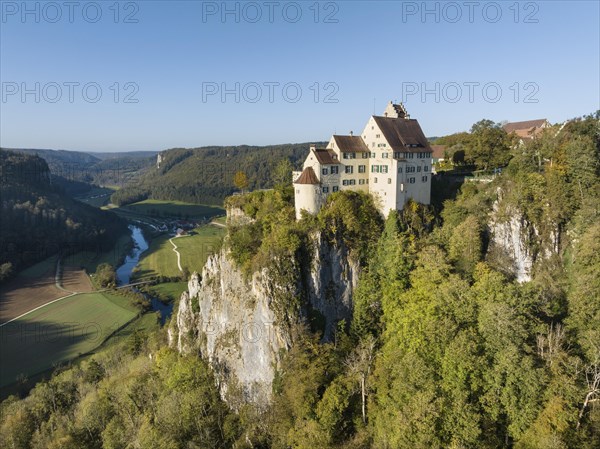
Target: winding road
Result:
[[177, 252]]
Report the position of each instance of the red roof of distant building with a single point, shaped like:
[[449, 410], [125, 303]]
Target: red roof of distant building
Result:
[[438, 151]]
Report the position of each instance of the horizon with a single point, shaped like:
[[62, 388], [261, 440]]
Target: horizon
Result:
[[103, 79]]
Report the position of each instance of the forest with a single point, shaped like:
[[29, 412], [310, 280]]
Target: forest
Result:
[[38, 219], [205, 175], [445, 348]]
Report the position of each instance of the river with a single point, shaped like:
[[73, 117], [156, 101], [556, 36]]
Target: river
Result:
[[131, 260]]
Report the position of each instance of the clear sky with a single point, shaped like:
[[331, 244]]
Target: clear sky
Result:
[[69, 75]]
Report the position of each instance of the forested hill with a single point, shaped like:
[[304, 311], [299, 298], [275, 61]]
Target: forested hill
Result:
[[38, 219], [205, 175], [72, 168]]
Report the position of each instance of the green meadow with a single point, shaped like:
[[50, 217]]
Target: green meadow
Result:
[[160, 259], [60, 332]]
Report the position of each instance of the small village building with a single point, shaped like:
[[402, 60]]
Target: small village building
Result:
[[527, 130]]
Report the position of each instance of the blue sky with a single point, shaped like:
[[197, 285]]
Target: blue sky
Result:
[[535, 60]]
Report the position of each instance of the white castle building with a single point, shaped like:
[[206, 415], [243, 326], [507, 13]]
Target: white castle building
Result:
[[391, 159]]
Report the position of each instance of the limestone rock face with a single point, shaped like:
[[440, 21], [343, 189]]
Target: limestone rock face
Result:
[[231, 320], [332, 278], [512, 233]]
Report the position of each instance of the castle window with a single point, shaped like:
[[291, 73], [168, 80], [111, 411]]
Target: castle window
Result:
[[349, 169], [424, 178], [334, 170], [384, 169], [375, 180], [324, 171], [418, 168], [365, 155], [384, 155], [361, 181], [377, 136], [412, 180], [362, 168], [426, 168], [325, 189], [336, 188], [389, 180], [372, 155], [399, 169]]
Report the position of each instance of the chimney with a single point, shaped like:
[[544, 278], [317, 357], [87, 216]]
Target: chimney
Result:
[[351, 133]]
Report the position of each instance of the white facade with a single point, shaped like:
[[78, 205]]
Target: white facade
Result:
[[391, 159]]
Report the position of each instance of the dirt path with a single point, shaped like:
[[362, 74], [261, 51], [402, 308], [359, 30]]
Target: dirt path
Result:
[[220, 225], [23, 295], [176, 252]]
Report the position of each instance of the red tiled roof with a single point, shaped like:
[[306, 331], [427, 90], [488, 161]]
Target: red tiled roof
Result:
[[351, 144], [307, 177], [526, 125], [325, 156], [403, 135], [438, 151]]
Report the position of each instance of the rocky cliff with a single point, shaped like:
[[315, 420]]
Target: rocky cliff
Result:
[[512, 233], [236, 324]]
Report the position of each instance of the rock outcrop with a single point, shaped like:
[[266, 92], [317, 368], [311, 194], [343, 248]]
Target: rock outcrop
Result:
[[513, 234], [232, 321]]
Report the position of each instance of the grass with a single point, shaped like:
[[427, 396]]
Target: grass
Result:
[[60, 332], [220, 220], [90, 259], [41, 268], [168, 290], [97, 197], [160, 259], [175, 209], [195, 249]]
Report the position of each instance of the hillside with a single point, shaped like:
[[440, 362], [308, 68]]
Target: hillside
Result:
[[471, 323], [205, 175], [72, 168], [38, 219]]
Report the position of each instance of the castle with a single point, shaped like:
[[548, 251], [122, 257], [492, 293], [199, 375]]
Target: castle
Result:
[[391, 159]]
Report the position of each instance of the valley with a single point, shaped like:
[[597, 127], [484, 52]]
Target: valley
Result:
[[322, 323]]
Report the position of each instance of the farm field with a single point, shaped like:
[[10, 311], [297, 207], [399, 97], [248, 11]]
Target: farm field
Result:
[[175, 209], [29, 289], [195, 249], [76, 280], [160, 259], [97, 197], [59, 332], [89, 260]]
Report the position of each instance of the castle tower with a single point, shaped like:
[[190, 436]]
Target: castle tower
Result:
[[307, 192]]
